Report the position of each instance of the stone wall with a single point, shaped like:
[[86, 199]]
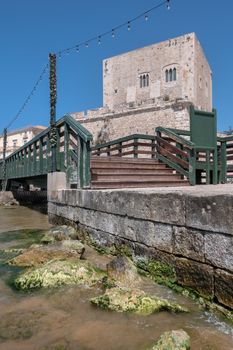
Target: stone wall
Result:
[[121, 74], [191, 228], [133, 119]]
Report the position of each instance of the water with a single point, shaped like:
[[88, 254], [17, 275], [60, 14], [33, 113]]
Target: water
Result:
[[63, 319]]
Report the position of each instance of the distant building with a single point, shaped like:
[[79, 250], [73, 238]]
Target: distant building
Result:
[[151, 86], [17, 138]]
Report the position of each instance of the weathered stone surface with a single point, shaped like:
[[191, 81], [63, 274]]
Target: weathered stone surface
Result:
[[40, 255], [219, 250], [195, 275], [189, 243], [58, 273], [164, 207], [173, 340], [224, 287], [136, 301], [61, 233], [210, 213], [7, 198], [152, 234], [124, 272]]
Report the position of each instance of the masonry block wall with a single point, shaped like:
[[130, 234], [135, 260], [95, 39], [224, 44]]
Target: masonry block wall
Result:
[[190, 229]]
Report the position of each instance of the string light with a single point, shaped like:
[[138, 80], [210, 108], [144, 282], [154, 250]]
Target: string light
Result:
[[112, 32]]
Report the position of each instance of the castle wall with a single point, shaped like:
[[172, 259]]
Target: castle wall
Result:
[[108, 126]]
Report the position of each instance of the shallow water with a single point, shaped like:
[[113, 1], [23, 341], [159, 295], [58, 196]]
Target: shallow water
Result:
[[63, 318]]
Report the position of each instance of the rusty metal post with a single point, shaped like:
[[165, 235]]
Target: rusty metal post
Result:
[[53, 101]]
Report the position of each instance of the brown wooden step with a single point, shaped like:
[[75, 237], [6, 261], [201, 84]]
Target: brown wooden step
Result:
[[143, 184], [136, 178], [133, 171]]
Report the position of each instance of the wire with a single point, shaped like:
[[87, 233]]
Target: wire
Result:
[[113, 30], [41, 76], [85, 43]]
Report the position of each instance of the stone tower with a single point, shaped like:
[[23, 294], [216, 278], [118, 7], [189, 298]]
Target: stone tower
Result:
[[173, 69]]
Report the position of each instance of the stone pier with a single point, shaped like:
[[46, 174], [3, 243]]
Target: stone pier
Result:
[[190, 228]]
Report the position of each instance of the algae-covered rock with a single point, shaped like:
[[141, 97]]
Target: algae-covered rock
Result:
[[136, 301], [60, 233], [173, 340], [73, 246], [33, 257], [124, 272], [48, 238], [58, 273]]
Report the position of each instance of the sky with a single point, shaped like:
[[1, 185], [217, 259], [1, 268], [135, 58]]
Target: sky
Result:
[[31, 29]]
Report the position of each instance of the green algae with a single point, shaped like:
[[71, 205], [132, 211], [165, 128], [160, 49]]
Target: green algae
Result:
[[173, 340], [134, 301], [58, 273]]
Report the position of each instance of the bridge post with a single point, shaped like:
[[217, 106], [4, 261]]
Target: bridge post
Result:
[[4, 185], [53, 101]]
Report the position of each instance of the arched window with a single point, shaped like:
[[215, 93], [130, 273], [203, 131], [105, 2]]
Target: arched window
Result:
[[174, 74], [170, 74], [144, 80]]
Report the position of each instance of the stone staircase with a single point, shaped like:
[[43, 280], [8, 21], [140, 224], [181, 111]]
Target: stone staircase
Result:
[[118, 172]]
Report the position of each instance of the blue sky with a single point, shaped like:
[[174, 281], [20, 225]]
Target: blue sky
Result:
[[30, 29]]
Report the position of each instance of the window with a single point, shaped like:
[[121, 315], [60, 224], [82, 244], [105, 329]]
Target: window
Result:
[[144, 80], [170, 75]]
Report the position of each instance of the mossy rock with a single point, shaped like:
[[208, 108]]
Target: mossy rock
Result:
[[124, 272], [37, 256], [58, 273], [136, 301], [173, 340]]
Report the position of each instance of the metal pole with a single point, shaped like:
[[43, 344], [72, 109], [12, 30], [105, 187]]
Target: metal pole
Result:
[[53, 101], [4, 158]]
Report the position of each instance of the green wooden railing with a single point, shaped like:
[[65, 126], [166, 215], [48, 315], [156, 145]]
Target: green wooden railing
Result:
[[136, 145], [72, 155], [225, 147], [177, 151]]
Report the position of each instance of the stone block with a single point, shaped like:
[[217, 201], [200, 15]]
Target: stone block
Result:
[[195, 275], [224, 287], [210, 213], [159, 206], [189, 243], [219, 250]]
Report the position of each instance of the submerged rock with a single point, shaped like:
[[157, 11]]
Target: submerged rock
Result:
[[39, 255], [173, 340], [124, 272], [57, 273], [136, 301]]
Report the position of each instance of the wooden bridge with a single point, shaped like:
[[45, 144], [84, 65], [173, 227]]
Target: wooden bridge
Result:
[[170, 157]]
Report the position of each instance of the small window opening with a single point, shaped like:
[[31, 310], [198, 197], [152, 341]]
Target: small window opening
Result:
[[144, 80]]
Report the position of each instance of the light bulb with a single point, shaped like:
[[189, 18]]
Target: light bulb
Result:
[[99, 40], [146, 17], [129, 26], [168, 5], [113, 33], [77, 48]]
